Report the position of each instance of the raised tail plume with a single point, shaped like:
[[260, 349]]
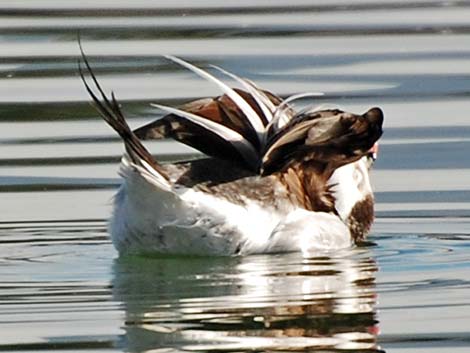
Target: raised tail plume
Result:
[[110, 111]]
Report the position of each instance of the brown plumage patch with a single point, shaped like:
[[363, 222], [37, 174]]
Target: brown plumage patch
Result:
[[361, 218], [227, 181], [308, 186], [220, 109], [332, 137], [207, 171]]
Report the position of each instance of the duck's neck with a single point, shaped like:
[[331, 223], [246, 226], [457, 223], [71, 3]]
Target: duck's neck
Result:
[[354, 197], [360, 219]]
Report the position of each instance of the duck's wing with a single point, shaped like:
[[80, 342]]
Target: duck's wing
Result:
[[221, 110], [254, 119], [331, 138], [217, 127], [232, 126]]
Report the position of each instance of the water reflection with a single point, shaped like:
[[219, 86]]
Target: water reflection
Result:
[[255, 303]]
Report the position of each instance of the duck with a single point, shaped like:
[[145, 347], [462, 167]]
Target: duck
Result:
[[271, 178]]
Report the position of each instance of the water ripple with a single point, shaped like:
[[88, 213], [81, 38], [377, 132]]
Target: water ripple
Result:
[[60, 289], [262, 302]]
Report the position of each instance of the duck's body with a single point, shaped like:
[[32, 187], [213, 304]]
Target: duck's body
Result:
[[248, 215], [277, 184]]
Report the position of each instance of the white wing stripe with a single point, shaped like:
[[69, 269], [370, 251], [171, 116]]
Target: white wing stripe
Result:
[[263, 96], [249, 112], [254, 92], [280, 118], [238, 141]]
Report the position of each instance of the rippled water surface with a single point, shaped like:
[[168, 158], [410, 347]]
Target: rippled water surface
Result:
[[62, 285]]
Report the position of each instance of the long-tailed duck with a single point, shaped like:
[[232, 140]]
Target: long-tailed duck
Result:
[[274, 179]]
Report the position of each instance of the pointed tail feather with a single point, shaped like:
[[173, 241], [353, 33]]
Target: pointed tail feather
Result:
[[111, 112]]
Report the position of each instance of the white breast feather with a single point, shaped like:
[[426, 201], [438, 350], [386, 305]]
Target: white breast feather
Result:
[[351, 185]]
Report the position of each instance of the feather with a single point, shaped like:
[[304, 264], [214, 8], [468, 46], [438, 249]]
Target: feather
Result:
[[242, 145], [280, 118], [332, 137], [111, 112], [253, 118], [270, 100], [255, 93]]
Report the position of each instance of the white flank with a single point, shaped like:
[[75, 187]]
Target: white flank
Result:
[[148, 218], [242, 145], [309, 231], [261, 229], [249, 112]]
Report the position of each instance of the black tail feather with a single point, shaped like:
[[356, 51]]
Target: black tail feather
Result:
[[110, 111]]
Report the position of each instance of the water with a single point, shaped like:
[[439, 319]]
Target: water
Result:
[[62, 286]]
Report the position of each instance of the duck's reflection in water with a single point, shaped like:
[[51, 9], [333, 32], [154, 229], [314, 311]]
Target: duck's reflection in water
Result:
[[285, 302]]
